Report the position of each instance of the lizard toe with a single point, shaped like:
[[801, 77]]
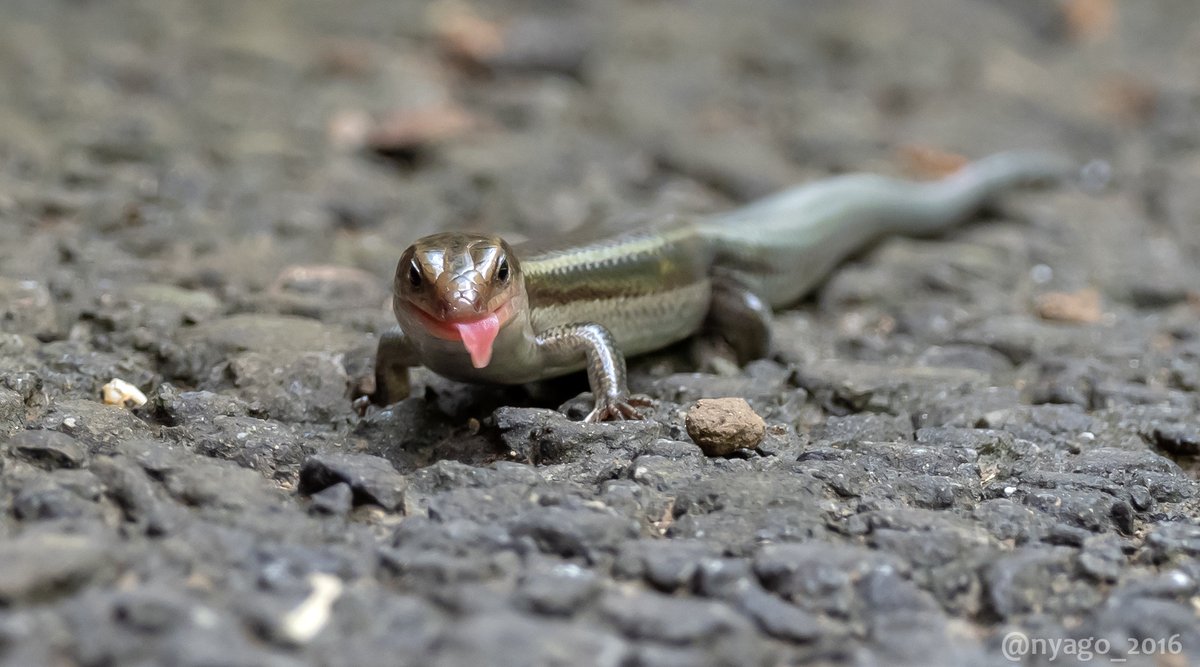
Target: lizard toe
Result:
[[618, 408]]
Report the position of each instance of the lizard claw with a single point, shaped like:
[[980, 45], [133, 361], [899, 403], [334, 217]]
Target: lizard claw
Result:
[[618, 408]]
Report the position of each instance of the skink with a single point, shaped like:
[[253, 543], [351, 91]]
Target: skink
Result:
[[473, 308]]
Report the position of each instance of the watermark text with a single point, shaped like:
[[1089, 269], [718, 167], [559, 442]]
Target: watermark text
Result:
[[1017, 646]]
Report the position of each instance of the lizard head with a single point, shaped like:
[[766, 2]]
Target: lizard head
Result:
[[458, 287]]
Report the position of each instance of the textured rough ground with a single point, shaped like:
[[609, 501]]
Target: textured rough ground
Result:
[[967, 436]]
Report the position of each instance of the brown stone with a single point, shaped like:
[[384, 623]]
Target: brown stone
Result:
[[721, 426]]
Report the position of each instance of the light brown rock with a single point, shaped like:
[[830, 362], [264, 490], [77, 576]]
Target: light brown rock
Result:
[[721, 426]]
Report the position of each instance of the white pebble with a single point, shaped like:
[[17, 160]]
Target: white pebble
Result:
[[120, 392], [303, 622]]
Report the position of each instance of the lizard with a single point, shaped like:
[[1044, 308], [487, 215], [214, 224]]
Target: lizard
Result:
[[471, 307]]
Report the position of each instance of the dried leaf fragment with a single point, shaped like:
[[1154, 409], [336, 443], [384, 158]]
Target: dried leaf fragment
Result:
[[929, 162], [1089, 19], [1081, 307]]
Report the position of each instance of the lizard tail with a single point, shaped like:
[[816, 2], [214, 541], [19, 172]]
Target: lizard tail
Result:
[[933, 207], [789, 241]]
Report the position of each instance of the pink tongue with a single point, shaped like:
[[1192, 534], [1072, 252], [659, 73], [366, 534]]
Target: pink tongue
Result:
[[478, 338]]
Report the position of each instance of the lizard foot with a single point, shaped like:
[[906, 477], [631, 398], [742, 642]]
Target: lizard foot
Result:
[[361, 405], [618, 408]]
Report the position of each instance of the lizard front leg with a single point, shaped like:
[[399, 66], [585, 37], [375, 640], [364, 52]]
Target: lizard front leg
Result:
[[393, 358], [563, 345]]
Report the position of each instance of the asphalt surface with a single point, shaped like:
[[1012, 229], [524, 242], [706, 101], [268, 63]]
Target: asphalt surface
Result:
[[978, 448]]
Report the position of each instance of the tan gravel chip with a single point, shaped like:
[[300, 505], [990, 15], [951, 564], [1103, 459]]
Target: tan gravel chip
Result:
[[721, 426]]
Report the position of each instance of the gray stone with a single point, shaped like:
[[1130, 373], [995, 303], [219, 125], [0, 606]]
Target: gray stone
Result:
[[670, 619], [513, 639], [45, 498], [819, 577], [371, 478], [272, 448], [309, 386], [12, 412], [97, 426], [1172, 540], [27, 307], [559, 590], [668, 565], [546, 436], [569, 533], [336, 500], [217, 341], [42, 566], [778, 618], [1016, 583], [49, 449]]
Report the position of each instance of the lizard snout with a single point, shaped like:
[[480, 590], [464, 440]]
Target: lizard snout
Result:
[[462, 300]]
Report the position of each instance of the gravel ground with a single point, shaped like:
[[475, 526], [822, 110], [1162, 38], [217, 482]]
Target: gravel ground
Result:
[[970, 436]]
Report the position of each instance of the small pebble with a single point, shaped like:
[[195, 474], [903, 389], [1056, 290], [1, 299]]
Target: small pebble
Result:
[[305, 621], [1082, 307], [721, 426], [120, 392]]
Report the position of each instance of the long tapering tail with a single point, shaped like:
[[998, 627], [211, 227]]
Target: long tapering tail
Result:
[[786, 243]]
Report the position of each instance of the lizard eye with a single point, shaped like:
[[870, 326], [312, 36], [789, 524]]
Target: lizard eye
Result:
[[414, 275], [502, 272]]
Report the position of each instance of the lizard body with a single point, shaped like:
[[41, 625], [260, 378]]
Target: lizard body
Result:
[[473, 308]]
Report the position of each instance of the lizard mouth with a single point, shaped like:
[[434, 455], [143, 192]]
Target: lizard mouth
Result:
[[477, 335]]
